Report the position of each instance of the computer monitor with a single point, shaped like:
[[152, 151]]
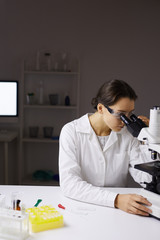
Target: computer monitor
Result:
[[8, 101]]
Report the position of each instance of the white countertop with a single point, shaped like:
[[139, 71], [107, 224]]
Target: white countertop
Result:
[[87, 221]]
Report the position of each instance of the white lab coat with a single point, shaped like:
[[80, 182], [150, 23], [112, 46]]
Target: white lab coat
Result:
[[86, 170]]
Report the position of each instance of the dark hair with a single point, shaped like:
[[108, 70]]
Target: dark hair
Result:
[[110, 92]]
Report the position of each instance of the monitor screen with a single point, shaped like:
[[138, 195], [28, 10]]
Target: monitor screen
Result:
[[8, 98]]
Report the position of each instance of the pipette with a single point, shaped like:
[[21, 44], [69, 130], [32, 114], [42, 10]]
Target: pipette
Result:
[[78, 210]]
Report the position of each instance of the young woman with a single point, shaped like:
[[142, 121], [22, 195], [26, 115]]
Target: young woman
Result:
[[97, 151]]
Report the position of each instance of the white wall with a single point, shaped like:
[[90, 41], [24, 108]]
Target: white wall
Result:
[[112, 38]]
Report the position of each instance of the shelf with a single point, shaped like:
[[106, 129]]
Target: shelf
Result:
[[51, 72], [33, 149], [30, 181], [50, 106], [40, 140]]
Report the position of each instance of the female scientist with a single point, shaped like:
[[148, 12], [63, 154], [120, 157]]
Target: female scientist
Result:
[[97, 151]]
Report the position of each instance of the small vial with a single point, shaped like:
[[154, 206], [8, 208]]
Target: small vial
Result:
[[23, 208], [67, 100], [41, 92], [16, 200], [16, 205], [13, 200]]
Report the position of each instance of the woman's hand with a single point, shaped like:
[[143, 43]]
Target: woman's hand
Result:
[[133, 203], [144, 119]]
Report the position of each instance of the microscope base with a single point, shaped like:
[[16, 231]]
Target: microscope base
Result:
[[154, 198]]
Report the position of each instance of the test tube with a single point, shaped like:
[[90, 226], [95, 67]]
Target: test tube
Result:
[[16, 200]]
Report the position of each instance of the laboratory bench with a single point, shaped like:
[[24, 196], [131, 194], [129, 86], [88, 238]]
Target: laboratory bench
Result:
[[83, 221], [6, 137]]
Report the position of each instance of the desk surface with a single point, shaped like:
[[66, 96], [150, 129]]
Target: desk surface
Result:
[[87, 221]]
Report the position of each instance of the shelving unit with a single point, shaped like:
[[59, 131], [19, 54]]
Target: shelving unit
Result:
[[41, 153]]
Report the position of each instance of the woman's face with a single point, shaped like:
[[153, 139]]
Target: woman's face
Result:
[[124, 106]]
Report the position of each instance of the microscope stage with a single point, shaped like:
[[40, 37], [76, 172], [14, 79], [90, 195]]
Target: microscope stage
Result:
[[152, 168], [153, 198]]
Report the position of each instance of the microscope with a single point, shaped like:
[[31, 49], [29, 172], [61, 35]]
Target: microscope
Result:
[[151, 137]]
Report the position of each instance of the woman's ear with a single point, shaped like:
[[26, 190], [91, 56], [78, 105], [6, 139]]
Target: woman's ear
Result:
[[100, 108]]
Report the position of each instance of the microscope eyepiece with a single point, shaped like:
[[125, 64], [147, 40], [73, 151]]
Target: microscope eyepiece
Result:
[[125, 119], [134, 125], [138, 120], [133, 117]]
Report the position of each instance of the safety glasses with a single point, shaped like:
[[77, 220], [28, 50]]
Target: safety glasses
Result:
[[118, 114]]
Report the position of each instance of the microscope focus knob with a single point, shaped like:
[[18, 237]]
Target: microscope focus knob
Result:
[[156, 107]]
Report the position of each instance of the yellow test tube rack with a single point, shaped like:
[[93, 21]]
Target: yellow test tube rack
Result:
[[44, 218]]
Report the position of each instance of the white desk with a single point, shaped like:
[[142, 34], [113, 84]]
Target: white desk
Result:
[[101, 223], [6, 137]]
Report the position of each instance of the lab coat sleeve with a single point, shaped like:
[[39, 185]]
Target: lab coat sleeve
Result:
[[139, 154], [71, 180]]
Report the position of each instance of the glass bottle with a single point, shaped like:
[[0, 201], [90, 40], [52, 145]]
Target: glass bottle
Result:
[[48, 61], [41, 92], [67, 100]]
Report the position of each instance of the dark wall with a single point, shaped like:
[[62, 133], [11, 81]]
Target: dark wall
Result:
[[112, 38]]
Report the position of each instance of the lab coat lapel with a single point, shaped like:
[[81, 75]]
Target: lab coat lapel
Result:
[[83, 126], [112, 139], [94, 140]]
